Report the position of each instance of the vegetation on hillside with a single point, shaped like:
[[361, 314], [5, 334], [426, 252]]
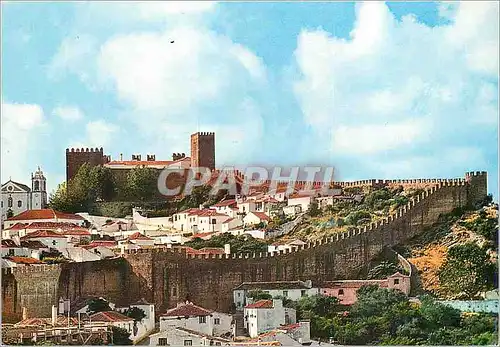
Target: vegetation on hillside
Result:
[[239, 244], [386, 317]]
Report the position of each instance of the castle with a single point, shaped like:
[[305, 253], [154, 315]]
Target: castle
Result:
[[165, 276], [202, 155]]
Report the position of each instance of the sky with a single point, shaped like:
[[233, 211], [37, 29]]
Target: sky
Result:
[[377, 90]]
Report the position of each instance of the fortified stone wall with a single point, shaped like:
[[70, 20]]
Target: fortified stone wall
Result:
[[167, 276]]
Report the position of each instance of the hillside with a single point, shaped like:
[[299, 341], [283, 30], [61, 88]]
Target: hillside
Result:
[[429, 252]]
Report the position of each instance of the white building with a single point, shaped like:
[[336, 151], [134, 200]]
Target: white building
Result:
[[188, 322], [246, 206], [49, 238], [147, 324], [196, 318], [265, 315], [254, 218], [225, 207], [116, 319], [292, 211], [304, 201], [285, 246], [292, 290], [18, 197], [231, 223]]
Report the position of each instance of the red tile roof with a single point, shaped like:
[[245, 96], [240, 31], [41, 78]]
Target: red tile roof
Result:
[[262, 216], [24, 260], [261, 304], [140, 162], [101, 243], [226, 203], [45, 214], [138, 236], [110, 316], [186, 310], [18, 226], [228, 220], [76, 232], [201, 235], [42, 233], [9, 244], [61, 321]]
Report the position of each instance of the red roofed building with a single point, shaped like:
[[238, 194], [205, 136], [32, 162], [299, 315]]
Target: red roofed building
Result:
[[346, 290], [254, 218], [44, 215], [264, 315], [141, 239], [114, 318], [49, 238], [195, 318]]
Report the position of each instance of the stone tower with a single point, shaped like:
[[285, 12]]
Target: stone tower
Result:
[[203, 150], [78, 157], [38, 190], [478, 185]]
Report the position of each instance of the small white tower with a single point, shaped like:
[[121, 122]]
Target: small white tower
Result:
[[38, 190]]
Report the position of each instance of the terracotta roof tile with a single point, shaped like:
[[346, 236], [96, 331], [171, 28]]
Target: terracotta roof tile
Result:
[[42, 233], [226, 203], [110, 316], [24, 260], [187, 310], [45, 214], [261, 304], [138, 236], [262, 216]]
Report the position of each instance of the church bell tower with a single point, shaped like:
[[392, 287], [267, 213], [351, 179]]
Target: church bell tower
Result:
[[38, 190]]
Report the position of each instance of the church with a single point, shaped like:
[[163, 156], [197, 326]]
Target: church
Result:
[[18, 197]]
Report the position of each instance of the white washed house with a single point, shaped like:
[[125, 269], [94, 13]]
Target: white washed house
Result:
[[265, 315]]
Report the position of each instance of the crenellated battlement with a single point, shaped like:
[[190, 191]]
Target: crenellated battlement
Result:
[[34, 269], [85, 150], [203, 133]]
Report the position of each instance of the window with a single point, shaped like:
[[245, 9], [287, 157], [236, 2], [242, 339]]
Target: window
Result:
[[2, 203], [162, 341], [302, 293], [285, 293], [217, 321], [19, 203], [217, 344], [341, 291], [203, 319], [9, 201], [396, 281], [11, 252], [239, 294], [214, 221], [37, 185], [188, 342]]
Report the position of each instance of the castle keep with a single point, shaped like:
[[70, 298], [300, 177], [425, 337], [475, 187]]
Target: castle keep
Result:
[[167, 276]]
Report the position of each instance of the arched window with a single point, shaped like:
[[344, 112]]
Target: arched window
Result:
[[9, 201], [19, 203], [37, 185]]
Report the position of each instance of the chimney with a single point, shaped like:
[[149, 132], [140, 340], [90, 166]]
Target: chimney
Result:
[[25, 313], [227, 248], [54, 315], [201, 207], [16, 240], [308, 283]]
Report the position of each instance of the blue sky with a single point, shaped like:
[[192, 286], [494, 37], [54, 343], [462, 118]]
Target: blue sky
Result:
[[378, 90]]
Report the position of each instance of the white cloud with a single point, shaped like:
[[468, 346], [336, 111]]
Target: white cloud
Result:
[[100, 133], [400, 73], [68, 113], [21, 128], [369, 139]]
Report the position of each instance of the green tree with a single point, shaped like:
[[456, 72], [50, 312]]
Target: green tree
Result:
[[136, 313], [467, 271], [314, 209], [259, 295], [141, 184], [382, 270], [97, 305], [121, 337]]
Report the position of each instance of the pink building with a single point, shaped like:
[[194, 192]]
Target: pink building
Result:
[[346, 290]]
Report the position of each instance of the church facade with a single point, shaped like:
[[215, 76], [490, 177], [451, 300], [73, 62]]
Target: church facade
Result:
[[18, 197]]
